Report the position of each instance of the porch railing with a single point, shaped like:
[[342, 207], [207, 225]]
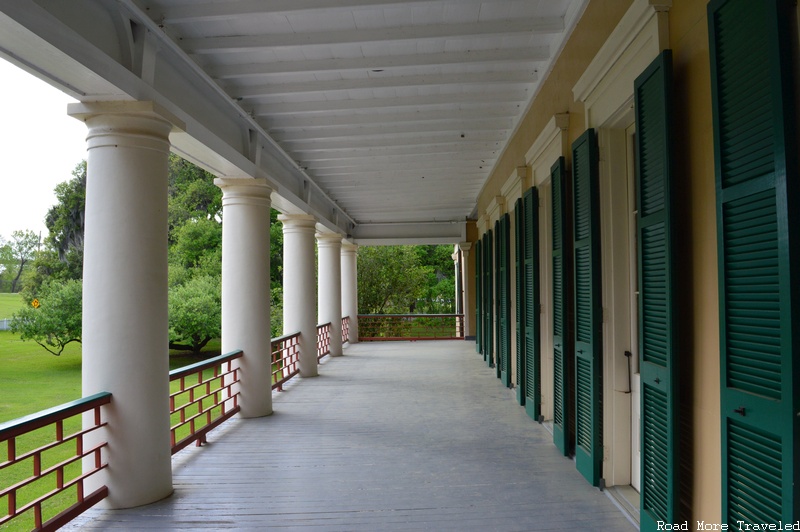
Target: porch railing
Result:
[[53, 463], [388, 327], [203, 398], [285, 359], [345, 329], [323, 340]]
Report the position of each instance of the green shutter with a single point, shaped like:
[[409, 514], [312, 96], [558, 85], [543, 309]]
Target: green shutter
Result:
[[488, 314], [478, 297], [659, 380], [519, 235], [498, 295], [562, 402], [532, 365], [588, 309], [755, 152], [503, 301]]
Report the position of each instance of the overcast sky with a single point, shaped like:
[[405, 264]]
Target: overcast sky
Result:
[[39, 147]]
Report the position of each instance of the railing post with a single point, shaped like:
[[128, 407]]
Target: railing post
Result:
[[299, 287], [330, 287], [246, 288]]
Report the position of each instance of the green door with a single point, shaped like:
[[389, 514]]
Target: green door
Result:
[[562, 352], [588, 309], [758, 212], [519, 314], [659, 378], [530, 303]]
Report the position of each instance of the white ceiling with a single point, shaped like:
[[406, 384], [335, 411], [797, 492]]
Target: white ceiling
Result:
[[398, 110]]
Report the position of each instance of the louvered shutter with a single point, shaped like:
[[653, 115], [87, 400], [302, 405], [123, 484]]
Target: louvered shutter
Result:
[[588, 310], [519, 261], [755, 152], [530, 266], [504, 314], [488, 329], [498, 295], [478, 297], [562, 402], [659, 379], [502, 283]]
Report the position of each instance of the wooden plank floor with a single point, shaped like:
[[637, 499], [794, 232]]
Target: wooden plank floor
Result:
[[393, 436]]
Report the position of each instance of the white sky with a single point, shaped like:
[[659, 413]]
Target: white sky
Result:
[[40, 145]]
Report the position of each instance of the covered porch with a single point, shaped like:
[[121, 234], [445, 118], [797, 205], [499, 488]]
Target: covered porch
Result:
[[391, 436]]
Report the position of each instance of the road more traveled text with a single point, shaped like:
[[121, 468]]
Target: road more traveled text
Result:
[[740, 525]]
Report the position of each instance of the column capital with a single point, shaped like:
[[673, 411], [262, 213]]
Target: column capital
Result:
[[87, 111], [329, 240], [347, 247], [298, 223], [465, 247], [244, 191]]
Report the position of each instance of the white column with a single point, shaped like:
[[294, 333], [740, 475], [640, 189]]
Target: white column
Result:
[[329, 247], [299, 287], [246, 288], [125, 330], [350, 287], [467, 280]]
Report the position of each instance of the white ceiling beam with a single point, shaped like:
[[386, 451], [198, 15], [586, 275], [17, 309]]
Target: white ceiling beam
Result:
[[409, 161], [411, 151], [509, 98], [413, 140], [354, 119], [422, 167], [521, 56], [388, 134], [248, 43], [193, 12], [513, 77], [391, 128]]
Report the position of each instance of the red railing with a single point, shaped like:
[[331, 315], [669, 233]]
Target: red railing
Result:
[[345, 329], [65, 469], [323, 340], [285, 359], [205, 397], [387, 327]]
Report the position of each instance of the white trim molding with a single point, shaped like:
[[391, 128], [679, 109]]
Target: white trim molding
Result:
[[639, 37]]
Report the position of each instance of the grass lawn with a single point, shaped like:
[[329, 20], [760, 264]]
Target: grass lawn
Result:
[[31, 379], [9, 304]]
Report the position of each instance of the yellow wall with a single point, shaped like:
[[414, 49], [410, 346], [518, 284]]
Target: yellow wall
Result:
[[697, 207], [694, 186], [555, 94]]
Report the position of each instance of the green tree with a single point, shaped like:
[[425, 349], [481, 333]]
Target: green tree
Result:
[[390, 279], [66, 219], [23, 246], [195, 313], [54, 319], [62, 254]]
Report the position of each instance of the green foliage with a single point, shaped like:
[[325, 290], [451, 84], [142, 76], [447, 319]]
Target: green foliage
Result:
[[406, 279], [17, 255], [390, 279], [197, 242], [66, 219], [192, 194], [62, 255], [195, 313], [57, 321]]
